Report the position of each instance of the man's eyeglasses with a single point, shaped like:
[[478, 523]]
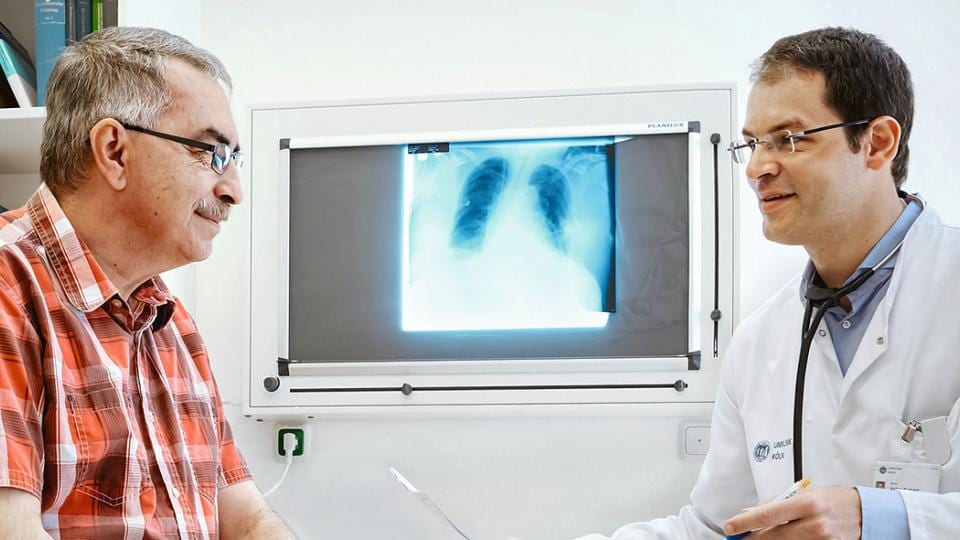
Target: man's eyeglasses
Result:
[[779, 141], [220, 151]]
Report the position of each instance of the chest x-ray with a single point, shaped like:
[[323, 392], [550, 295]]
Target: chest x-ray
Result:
[[509, 234], [558, 248]]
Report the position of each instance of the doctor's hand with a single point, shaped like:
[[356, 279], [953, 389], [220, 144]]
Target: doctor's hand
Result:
[[817, 512]]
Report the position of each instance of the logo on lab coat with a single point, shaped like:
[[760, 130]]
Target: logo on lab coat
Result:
[[761, 451], [772, 450]]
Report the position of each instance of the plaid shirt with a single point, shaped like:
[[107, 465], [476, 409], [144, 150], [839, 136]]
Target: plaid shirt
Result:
[[109, 413]]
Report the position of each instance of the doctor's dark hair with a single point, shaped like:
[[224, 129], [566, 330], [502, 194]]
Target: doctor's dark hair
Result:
[[865, 78], [114, 73]]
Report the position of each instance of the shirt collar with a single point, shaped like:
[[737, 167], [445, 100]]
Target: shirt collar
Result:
[[894, 236], [81, 277]]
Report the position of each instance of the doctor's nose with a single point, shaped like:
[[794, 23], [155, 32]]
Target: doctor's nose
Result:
[[762, 163]]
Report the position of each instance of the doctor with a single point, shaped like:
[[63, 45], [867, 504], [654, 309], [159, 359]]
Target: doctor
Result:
[[825, 150]]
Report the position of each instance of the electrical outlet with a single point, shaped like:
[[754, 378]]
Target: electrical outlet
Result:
[[302, 434], [694, 438]]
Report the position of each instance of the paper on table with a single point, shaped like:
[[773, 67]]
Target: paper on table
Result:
[[425, 499]]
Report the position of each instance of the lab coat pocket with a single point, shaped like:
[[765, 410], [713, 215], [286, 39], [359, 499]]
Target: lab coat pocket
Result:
[[950, 479], [899, 449]]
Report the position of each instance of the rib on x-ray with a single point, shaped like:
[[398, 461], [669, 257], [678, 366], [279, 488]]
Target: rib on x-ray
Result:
[[509, 234]]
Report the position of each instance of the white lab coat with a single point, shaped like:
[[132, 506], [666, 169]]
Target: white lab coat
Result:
[[907, 367]]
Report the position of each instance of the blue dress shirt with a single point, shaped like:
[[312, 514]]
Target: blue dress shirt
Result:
[[883, 511]]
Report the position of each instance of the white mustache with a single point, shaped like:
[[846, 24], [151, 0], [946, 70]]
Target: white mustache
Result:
[[213, 209]]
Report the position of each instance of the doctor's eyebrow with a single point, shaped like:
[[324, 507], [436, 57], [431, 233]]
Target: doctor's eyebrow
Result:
[[218, 136], [793, 124]]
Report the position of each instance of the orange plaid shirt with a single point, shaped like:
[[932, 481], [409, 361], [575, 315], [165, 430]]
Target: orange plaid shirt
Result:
[[109, 413]]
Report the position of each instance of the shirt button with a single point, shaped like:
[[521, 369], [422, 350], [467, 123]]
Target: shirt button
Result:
[[845, 324], [176, 492], [822, 332], [116, 303], [881, 341]]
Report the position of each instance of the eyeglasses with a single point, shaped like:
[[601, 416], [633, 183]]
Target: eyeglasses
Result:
[[779, 141], [220, 151]]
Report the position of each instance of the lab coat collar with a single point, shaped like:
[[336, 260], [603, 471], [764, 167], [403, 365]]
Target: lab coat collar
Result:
[[876, 339]]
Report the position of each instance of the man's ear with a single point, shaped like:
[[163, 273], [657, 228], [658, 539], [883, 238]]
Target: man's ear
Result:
[[882, 142], [109, 145]]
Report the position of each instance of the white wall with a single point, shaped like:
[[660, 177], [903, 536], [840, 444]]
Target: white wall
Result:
[[582, 466]]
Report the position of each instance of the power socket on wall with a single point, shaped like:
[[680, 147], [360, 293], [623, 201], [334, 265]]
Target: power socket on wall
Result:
[[694, 439], [301, 431]]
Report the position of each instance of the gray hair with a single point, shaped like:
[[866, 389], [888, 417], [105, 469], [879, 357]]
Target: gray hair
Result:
[[114, 73]]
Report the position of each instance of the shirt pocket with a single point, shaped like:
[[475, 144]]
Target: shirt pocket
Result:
[[201, 437], [107, 466]]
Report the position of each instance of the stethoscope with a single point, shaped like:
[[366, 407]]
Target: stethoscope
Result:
[[823, 298]]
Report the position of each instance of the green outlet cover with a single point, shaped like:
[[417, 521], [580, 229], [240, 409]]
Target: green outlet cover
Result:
[[298, 451]]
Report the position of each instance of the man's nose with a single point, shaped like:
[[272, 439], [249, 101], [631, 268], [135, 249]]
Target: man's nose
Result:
[[763, 162], [228, 189]]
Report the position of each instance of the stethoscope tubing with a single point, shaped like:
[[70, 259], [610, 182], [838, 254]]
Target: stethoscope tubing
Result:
[[822, 299]]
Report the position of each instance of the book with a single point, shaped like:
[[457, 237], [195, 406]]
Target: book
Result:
[[11, 40], [110, 13], [71, 20], [96, 10], [51, 20], [18, 73], [84, 18]]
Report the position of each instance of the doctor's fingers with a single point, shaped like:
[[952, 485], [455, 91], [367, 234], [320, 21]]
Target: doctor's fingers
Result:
[[814, 528], [773, 514]]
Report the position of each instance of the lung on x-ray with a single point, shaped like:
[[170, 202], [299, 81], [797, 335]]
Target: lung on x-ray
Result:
[[509, 234]]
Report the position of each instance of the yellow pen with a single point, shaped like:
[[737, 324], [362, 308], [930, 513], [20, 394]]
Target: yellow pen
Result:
[[790, 492]]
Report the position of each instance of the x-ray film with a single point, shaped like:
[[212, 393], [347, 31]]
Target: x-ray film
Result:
[[555, 248], [509, 235]]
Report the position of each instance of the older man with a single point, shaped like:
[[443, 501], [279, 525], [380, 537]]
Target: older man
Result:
[[111, 424]]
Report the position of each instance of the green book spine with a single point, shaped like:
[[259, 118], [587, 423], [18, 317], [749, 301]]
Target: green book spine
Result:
[[96, 15]]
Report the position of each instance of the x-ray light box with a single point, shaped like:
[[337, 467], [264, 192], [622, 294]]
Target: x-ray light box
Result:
[[430, 262]]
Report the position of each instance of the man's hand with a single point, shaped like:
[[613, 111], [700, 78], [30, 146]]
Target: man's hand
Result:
[[818, 512]]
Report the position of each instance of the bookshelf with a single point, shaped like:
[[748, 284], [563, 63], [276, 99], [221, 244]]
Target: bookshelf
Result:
[[21, 129]]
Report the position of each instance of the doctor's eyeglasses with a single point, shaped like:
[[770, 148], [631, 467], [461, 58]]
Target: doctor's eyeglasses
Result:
[[221, 153], [779, 141]]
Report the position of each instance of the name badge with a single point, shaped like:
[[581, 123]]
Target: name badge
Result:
[[908, 476]]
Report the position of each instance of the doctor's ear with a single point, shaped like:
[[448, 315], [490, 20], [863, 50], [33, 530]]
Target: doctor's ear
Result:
[[881, 142], [109, 144]]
